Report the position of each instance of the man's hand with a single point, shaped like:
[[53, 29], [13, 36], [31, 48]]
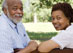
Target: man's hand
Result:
[[33, 45]]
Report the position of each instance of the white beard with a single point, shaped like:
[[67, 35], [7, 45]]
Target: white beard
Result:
[[12, 19]]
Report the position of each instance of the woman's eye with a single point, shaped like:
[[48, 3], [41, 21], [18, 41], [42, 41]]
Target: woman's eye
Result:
[[53, 18], [58, 18]]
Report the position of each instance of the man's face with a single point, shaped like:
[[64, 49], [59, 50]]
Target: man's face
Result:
[[15, 11], [59, 20]]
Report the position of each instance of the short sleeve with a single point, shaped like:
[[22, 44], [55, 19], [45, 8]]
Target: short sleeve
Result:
[[5, 43], [63, 38], [26, 35], [27, 38]]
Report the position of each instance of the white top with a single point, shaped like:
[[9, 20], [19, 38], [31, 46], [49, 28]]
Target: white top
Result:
[[9, 38], [65, 38]]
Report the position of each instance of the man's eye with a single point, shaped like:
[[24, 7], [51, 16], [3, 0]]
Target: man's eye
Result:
[[14, 8], [21, 9]]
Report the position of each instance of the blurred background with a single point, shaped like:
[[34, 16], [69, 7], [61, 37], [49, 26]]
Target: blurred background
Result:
[[37, 18]]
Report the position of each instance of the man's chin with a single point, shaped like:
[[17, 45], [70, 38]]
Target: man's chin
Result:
[[15, 21]]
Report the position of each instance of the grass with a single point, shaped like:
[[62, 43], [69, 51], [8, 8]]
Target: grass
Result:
[[41, 36], [40, 31]]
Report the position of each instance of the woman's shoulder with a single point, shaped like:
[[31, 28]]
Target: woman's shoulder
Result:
[[70, 28]]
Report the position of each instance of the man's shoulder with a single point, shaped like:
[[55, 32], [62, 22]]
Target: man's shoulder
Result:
[[3, 23]]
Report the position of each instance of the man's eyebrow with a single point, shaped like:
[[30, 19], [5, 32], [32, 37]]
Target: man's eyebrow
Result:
[[14, 6]]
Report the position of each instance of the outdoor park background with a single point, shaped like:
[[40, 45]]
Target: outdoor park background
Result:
[[37, 18]]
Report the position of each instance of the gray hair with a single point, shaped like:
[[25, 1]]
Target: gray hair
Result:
[[4, 4]]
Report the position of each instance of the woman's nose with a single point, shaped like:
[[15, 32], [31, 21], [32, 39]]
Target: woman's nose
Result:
[[55, 21]]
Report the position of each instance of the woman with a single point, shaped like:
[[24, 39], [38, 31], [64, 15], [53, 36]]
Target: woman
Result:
[[62, 17]]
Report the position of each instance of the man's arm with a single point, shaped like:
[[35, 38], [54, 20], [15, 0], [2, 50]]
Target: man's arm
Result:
[[31, 47], [47, 46]]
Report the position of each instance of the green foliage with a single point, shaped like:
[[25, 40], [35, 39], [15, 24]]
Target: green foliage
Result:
[[1, 2], [42, 8], [1, 5], [41, 16], [28, 17]]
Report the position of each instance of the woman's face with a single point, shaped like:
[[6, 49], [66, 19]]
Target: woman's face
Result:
[[59, 20]]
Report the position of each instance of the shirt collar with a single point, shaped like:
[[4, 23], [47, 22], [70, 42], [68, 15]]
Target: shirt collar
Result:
[[9, 21]]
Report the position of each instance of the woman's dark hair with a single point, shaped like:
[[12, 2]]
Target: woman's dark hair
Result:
[[65, 8]]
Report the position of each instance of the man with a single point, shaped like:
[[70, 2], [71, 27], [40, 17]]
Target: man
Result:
[[12, 32]]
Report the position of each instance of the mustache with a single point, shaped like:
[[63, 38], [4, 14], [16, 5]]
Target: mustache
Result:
[[19, 15]]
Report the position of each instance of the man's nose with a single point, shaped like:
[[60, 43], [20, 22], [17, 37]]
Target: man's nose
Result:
[[19, 11]]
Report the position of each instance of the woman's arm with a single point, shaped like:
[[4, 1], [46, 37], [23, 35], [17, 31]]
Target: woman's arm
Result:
[[47, 46]]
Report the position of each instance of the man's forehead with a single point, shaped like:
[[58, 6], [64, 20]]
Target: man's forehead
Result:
[[12, 2]]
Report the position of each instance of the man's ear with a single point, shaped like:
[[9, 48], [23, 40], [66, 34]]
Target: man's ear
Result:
[[5, 10]]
